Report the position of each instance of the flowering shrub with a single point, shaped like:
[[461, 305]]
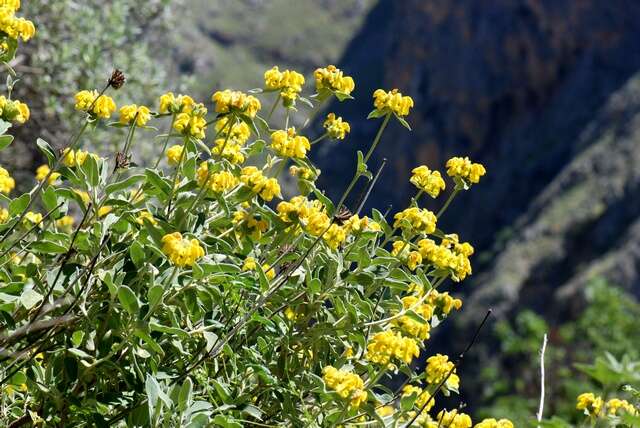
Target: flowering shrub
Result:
[[192, 293]]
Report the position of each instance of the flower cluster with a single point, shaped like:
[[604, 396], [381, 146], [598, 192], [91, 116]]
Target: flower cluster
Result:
[[174, 154], [336, 128], [454, 419], [7, 183], [248, 224], [217, 182], [313, 218], [392, 102], [43, 171], [131, 112], [333, 79], [449, 255], [236, 102], [181, 251], [428, 181], [464, 169], [410, 325], [493, 423], [346, 384], [387, 345], [356, 224], [422, 397], [190, 121], [232, 136], [302, 172], [98, 105], [290, 145], [288, 82], [13, 110], [267, 188], [416, 219], [438, 368], [13, 26], [74, 158]]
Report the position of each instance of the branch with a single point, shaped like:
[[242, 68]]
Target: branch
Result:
[[541, 407]]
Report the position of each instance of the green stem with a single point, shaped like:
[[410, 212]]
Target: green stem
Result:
[[320, 138], [446, 204], [357, 175], [175, 176], [273, 107], [166, 142]]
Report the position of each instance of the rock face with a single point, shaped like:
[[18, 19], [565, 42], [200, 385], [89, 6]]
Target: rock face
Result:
[[544, 93]]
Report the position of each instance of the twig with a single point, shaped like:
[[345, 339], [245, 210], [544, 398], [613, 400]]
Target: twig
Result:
[[542, 351], [456, 364]]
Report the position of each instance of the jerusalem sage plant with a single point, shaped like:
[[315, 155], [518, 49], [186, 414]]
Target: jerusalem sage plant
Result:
[[190, 293]]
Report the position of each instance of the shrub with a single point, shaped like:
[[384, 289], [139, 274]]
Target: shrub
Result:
[[187, 294]]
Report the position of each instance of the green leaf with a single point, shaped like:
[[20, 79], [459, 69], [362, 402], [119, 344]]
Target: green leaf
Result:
[[155, 295], [123, 184], [5, 140], [155, 392], [128, 299], [29, 298], [4, 126], [146, 338], [47, 151], [157, 181], [185, 395], [49, 199], [137, 254], [403, 122], [376, 113], [18, 205], [48, 247]]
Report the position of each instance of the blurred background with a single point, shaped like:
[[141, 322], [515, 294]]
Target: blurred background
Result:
[[545, 93]]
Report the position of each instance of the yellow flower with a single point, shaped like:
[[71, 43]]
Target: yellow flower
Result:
[[590, 403], [169, 103], [250, 224], [7, 183], [410, 325], [43, 170], [249, 264], [416, 219], [302, 172], [346, 384], [97, 105], [253, 178], [83, 195], [238, 131], [32, 218], [413, 260], [334, 236], [218, 182], [13, 110], [289, 144], [422, 397], [428, 181], [492, 423], [454, 419], [146, 215], [449, 255], [392, 101], [387, 345], [616, 404], [335, 127], [181, 251], [4, 215], [191, 120], [438, 368], [355, 224], [333, 79], [464, 169], [269, 272], [173, 154], [130, 112], [65, 222], [103, 211], [288, 82], [290, 314], [236, 102], [385, 411]]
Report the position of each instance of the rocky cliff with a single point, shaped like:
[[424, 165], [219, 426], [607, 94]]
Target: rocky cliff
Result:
[[544, 93]]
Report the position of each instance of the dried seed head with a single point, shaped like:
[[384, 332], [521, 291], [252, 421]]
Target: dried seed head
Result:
[[122, 161], [117, 79], [343, 215]]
